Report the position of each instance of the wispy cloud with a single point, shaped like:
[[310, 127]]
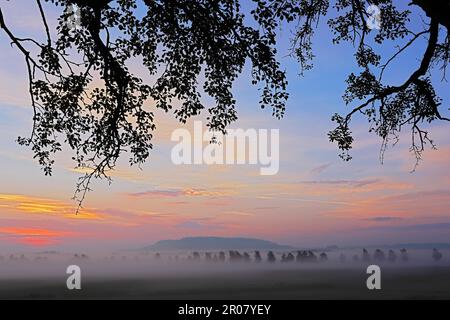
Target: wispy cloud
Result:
[[34, 237], [415, 227], [383, 219], [196, 225], [42, 206], [320, 169], [239, 213], [271, 208], [429, 195], [127, 175], [171, 193], [433, 203], [125, 214], [157, 193], [350, 183], [201, 225], [339, 187]]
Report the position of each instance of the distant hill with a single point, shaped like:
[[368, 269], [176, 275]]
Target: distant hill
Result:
[[215, 243]]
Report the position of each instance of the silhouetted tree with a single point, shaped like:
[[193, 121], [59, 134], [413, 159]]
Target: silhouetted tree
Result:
[[342, 258], [180, 41], [257, 256], [392, 257], [379, 255], [271, 257], [238, 255], [287, 257], [290, 257], [232, 256], [196, 256], [301, 256], [323, 257], [404, 255], [209, 39], [437, 255], [366, 256], [235, 256], [311, 257], [389, 107]]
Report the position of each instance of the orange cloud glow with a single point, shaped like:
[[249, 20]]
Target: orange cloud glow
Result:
[[34, 237], [189, 192], [41, 206], [33, 232], [409, 205]]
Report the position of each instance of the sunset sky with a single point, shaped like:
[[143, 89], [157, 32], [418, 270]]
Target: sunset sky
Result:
[[316, 199]]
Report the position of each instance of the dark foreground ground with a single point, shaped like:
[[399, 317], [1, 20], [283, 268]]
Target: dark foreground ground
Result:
[[331, 283]]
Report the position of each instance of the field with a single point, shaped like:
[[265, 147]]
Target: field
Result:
[[149, 279]]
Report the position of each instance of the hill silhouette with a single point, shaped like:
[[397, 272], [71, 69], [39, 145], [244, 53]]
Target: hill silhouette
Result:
[[214, 243]]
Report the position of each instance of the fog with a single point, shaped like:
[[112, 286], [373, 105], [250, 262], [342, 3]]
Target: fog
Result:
[[134, 264]]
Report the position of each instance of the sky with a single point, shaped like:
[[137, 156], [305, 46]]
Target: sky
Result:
[[316, 199]]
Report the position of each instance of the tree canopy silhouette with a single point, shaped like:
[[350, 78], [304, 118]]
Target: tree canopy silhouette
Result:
[[180, 41]]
